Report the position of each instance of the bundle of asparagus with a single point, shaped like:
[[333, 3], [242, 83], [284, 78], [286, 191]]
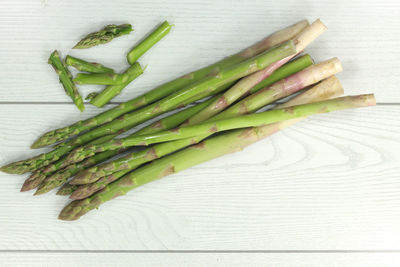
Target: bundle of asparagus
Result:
[[230, 92]]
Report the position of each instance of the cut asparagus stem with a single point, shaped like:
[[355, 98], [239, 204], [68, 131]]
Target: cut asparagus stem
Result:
[[208, 149], [83, 65], [101, 78], [66, 79], [168, 88], [328, 88], [208, 85], [137, 158], [103, 36], [148, 42], [112, 91], [243, 87]]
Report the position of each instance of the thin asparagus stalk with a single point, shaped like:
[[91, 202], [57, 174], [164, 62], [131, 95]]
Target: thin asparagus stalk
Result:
[[90, 184], [66, 189], [205, 128], [38, 176], [66, 79], [243, 87], [149, 41], [206, 150], [137, 158], [112, 91], [83, 65], [208, 85], [103, 36], [169, 87]]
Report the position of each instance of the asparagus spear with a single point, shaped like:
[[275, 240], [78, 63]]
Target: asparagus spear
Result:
[[150, 40], [90, 184], [103, 36], [303, 39], [137, 158], [168, 88], [208, 149], [66, 79], [83, 65], [208, 85], [205, 128]]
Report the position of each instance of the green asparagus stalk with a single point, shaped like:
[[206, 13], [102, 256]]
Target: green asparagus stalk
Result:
[[208, 149], [83, 65], [168, 88], [66, 79], [112, 91], [90, 184], [109, 78], [137, 158], [103, 36], [205, 128], [66, 189], [148, 43], [302, 40]]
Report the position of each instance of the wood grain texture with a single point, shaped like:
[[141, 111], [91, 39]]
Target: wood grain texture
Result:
[[330, 182], [363, 34], [198, 260]]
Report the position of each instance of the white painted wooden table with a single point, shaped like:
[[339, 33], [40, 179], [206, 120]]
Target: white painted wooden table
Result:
[[325, 192]]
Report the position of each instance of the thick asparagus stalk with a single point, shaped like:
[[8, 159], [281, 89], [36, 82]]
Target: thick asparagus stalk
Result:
[[83, 65], [113, 170], [304, 38], [245, 121], [137, 158], [208, 85], [103, 36], [66, 79], [208, 149], [149, 41], [169, 87], [112, 91]]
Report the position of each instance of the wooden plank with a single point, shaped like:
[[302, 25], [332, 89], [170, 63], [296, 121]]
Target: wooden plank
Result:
[[330, 182], [202, 259], [361, 33]]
